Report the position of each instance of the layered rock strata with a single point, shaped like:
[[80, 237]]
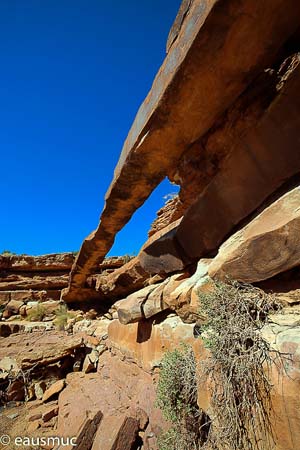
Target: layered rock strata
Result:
[[28, 280]]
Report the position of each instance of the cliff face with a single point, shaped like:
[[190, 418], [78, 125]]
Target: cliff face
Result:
[[26, 281], [30, 278], [222, 121]]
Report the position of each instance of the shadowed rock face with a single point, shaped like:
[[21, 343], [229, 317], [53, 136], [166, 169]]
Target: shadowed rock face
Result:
[[264, 153], [204, 72]]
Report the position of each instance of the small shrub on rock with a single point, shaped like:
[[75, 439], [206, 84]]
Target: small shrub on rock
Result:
[[36, 314], [62, 316], [7, 253], [177, 399]]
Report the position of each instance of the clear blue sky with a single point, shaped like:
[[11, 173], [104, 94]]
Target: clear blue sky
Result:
[[73, 74]]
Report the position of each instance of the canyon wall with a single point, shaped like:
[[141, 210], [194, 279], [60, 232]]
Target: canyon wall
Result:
[[222, 121]]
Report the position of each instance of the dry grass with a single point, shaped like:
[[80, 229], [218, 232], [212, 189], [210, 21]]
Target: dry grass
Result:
[[62, 316]]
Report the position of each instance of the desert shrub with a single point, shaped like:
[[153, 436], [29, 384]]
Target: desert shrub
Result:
[[238, 365], [177, 399], [7, 253], [62, 315], [36, 314], [128, 257]]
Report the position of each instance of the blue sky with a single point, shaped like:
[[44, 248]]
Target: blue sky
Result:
[[73, 74]]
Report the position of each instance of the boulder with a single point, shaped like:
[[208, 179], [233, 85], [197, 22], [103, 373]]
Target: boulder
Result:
[[38, 348], [268, 245], [90, 361], [101, 329], [50, 413], [178, 293], [182, 292], [123, 281], [131, 309], [16, 391], [39, 389], [91, 314], [84, 325], [53, 390], [88, 430], [161, 252], [12, 308], [116, 433]]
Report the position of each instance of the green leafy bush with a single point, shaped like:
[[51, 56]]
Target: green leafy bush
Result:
[[177, 399]]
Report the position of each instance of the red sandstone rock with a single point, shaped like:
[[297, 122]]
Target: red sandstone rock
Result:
[[146, 342], [178, 22], [169, 213], [117, 388], [50, 413], [178, 293], [33, 426], [13, 307], [38, 348], [26, 263], [54, 389], [4, 298], [87, 431], [131, 309], [261, 152], [34, 282], [268, 245], [122, 282], [192, 92], [16, 391], [116, 433]]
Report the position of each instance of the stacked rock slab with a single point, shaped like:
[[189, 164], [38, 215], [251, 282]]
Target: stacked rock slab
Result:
[[26, 280], [33, 278]]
